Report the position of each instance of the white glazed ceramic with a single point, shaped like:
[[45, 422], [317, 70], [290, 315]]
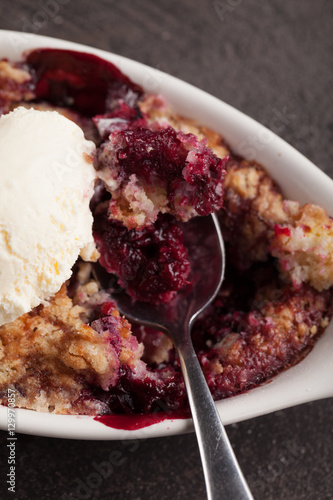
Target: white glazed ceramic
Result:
[[300, 180]]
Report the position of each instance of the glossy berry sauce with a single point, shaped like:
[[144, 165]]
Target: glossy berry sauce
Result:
[[82, 82], [135, 422]]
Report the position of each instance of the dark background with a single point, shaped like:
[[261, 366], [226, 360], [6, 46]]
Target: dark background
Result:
[[259, 56]]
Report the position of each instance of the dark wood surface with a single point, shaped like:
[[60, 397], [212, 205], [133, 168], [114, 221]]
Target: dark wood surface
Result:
[[259, 57]]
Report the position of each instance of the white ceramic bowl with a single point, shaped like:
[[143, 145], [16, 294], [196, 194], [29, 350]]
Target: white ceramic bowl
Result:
[[300, 180]]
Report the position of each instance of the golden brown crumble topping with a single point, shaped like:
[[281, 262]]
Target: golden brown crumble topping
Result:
[[50, 355], [13, 82], [253, 204], [304, 245]]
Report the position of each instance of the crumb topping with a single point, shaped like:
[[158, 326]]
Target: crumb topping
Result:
[[51, 356], [14, 85], [304, 245], [253, 204]]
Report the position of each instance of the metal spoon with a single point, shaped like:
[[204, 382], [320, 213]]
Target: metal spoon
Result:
[[223, 477]]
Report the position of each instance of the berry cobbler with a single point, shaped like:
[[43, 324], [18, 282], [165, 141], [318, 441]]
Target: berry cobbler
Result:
[[155, 170]]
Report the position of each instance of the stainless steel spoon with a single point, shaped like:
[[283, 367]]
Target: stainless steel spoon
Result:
[[223, 477]]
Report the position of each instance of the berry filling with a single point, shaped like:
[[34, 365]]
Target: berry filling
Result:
[[151, 264], [172, 164], [124, 117], [80, 81]]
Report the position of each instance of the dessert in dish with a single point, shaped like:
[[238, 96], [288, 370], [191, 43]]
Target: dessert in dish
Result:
[[154, 170]]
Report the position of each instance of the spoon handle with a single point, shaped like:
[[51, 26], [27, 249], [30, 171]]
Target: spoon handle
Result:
[[223, 476]]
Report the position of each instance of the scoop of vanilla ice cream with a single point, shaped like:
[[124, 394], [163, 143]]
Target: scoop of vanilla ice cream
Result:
[[46, 183]]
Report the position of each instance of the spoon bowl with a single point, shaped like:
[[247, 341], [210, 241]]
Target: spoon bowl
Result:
[[204, 242]]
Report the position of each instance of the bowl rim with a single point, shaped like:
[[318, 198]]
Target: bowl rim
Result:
[[299, 178]]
